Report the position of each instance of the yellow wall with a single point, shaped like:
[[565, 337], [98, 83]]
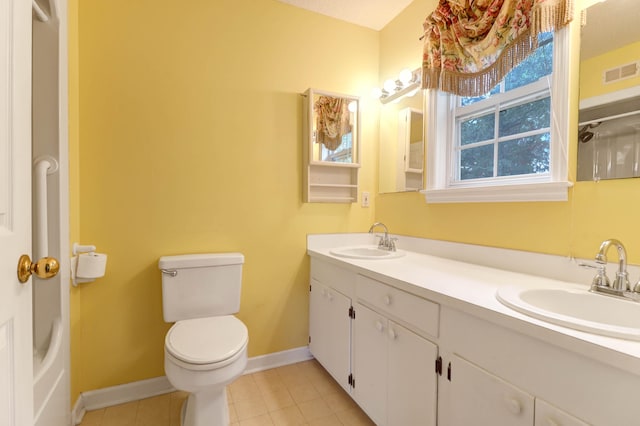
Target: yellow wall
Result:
[[594, 212], [189, 139], [185, 136]]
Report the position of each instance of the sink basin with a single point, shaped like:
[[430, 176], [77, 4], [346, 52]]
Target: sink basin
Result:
[[365, 252], [576, 308]]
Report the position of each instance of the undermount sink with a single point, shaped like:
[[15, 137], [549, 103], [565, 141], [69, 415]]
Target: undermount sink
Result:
[[577, 308], [365, 252]]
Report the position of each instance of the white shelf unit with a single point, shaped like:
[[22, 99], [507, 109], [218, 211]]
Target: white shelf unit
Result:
[[329, 181]]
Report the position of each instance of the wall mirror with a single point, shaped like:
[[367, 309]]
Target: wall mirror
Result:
[[333, 126], [401, 165], [609, 116]]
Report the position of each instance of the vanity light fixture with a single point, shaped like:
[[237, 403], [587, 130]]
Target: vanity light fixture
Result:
[[407, 84]]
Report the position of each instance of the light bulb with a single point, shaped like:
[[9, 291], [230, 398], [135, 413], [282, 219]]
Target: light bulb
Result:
[[389, 86], [406, 76], [353, 106]]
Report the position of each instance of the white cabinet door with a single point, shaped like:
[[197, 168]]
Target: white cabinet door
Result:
[[412, 381], [548, 415], [330, 331], [480, 398], [370, 363]]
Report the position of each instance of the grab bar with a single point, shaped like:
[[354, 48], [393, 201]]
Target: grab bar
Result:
[[43, 166]]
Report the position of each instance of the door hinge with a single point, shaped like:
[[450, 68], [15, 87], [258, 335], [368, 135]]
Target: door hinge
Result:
[[309, 288], [352, 381], [352, 312], [449, 372], [439, 365]]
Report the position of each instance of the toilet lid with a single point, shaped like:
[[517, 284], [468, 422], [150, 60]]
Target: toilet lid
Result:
[[206, 340]]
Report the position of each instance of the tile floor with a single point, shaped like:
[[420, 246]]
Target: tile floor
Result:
[[296, 394]]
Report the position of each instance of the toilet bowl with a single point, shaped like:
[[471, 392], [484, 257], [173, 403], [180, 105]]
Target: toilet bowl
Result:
[[202, 356], [206, 348]]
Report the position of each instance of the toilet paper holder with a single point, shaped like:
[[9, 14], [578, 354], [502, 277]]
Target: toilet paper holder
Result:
[[86, 264]]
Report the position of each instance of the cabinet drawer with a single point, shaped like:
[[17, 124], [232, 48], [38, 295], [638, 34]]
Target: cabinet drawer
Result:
[[416, 311], [333, 276]]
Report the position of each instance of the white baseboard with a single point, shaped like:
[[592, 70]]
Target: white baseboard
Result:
[[114, 395], [277, 359]]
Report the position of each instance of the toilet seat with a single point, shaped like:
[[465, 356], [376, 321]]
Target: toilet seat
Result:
[[206, 343]]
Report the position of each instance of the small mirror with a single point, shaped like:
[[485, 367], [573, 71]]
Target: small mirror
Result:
[[402, 145], [609, 117], [333, 120]]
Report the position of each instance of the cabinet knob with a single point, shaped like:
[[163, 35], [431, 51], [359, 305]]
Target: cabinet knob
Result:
[[379, 325], [392, 334], [513, 405], [387, 300]]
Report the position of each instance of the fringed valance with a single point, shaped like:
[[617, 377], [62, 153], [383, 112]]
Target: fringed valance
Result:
[[333, 121], [470, 45]]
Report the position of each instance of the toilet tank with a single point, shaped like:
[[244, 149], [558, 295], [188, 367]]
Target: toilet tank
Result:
[[200, 285]]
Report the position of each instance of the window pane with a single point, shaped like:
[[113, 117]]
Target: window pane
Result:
[[537, 65], [469, 101], [524, 156], [476, 162], [477, 129], [526, 117]]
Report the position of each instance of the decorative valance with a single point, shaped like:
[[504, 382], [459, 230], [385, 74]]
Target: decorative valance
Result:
[[332, 122], [470, 45]]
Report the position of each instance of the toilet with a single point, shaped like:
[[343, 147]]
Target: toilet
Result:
[[206, 348]]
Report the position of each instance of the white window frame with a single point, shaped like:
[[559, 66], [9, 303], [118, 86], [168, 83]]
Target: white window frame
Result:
[[552, 186]]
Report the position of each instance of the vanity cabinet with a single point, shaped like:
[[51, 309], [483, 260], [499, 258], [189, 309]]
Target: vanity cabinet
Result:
[[407, 360]]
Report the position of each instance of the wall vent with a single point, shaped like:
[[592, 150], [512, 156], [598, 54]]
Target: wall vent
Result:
[[621, 73]]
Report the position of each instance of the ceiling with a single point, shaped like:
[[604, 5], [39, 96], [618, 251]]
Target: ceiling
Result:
[[610, 25], [374, 14]]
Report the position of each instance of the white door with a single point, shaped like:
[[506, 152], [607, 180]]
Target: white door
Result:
[[370, 363], [16, 370], [412, 382], [481, 398], [330, 331]]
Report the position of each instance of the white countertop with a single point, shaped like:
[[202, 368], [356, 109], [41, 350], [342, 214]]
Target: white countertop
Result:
[[471, 288]]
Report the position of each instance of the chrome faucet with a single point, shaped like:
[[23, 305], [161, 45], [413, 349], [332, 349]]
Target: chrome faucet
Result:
[[385, 242], [621, 282]]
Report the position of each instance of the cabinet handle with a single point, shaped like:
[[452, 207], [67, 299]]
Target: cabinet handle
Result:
[[513, 405], [387, 300], [379, 326], [392, 333]]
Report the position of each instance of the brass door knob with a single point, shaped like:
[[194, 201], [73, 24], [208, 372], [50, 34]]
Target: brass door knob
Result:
[[46, 267]]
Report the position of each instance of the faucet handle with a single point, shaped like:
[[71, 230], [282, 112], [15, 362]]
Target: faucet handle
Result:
[[636, 288], [601, 279], [381, 241]]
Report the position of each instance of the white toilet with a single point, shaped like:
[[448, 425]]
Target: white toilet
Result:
[[206, 348]]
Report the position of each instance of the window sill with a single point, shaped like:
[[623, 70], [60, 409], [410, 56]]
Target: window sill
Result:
[[548, 191]]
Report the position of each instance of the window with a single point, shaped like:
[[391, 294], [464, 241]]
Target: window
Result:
[[510, 144]]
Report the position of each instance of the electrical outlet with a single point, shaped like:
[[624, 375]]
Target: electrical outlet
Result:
[[365, 199]]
